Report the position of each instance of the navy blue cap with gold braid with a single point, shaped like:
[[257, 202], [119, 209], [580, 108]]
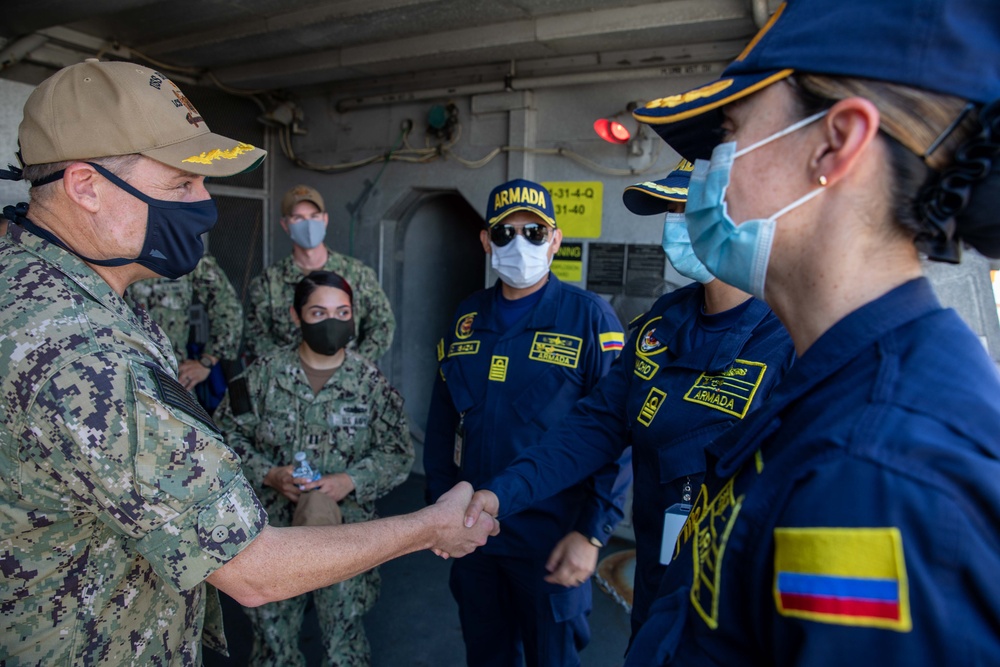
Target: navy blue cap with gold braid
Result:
[[655, 197], [944, 46], [520, 195]]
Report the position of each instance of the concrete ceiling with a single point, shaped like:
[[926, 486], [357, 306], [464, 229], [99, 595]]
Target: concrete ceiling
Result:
[[375, 47]]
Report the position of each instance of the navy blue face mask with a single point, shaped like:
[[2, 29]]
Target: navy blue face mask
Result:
[[172, 247]]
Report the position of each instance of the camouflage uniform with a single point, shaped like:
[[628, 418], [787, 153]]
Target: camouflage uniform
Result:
[[169, 304], [269, 325], [118, 496], [354, 425]]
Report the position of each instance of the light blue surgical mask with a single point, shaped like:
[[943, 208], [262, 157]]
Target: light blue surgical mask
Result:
[[736, 254], [308, 232], [677, 245]]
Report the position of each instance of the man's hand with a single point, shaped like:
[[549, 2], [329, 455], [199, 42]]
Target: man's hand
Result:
[[483, 500], [337, 485], [191, 373], [455, 538], [280, 479], [572, 561]]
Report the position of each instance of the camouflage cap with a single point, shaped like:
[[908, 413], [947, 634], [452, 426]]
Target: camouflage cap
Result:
[[101, 109], [300, 193]]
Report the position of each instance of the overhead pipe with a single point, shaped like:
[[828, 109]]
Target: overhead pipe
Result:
[[760, 11], [20, 49], [527, 83]]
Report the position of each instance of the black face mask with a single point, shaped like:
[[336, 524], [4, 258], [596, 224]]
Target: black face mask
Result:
[[328, 336], [172, 247]]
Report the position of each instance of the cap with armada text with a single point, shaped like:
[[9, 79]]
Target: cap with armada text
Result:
[[943, 46], [301, 193], [102, 109], [654, 197], [520, 195]]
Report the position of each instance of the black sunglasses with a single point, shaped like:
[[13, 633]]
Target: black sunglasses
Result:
[[533, 232]]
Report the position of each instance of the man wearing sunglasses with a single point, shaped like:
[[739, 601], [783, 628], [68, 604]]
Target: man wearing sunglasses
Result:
[[513, 363]]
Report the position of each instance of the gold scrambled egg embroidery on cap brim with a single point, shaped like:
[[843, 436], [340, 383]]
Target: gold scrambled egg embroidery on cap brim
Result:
[[219, 154], [690, 96]]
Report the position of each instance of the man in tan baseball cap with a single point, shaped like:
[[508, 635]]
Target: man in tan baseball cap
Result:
[[119, 498], [268, 327]]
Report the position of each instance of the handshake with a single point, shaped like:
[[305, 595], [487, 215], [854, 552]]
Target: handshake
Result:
[[462, 520]]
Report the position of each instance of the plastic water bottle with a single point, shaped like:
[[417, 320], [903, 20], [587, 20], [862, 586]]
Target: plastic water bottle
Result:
[[303, 469]]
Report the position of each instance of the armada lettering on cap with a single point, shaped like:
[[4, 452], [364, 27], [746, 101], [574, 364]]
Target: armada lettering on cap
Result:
[[521, 195]]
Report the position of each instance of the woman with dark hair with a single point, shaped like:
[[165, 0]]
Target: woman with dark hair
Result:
[[327, 401], [854, 519]]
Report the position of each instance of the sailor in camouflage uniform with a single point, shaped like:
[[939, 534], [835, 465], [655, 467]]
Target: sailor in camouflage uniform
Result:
[[352, 428], [268, 325], [119, 499], [169, 303]]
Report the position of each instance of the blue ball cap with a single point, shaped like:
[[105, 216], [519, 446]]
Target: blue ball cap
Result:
[[653, 197], [944, 46], [519, 195]]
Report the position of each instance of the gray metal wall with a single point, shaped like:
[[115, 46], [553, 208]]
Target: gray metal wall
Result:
[[12, 97]]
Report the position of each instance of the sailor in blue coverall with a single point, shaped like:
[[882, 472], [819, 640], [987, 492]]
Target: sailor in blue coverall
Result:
[[515, 360], [701, 359], [855, 519]]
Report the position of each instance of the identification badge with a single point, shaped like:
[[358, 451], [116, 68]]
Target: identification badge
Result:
[[674, 518], [459, 439]]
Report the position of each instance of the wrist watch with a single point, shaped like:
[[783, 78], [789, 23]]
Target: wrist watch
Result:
[[206, 361], [596, 542]]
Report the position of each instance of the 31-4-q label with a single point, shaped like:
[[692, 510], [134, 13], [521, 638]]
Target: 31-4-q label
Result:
[[578, 206]]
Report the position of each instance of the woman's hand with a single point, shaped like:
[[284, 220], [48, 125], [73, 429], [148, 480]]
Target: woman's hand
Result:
[[280, 479], [337, 485]]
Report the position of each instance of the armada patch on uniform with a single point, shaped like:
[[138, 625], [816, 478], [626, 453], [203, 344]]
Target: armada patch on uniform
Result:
[[654, 399], [554, 348], [843, 576], [440, 349], [467, 347], [498, 368], [647, 343], [463, 328], [730, 391], [645, 368], [172, 393]]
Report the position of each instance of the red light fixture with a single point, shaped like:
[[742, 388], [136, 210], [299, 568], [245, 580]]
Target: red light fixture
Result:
[[612, 131]]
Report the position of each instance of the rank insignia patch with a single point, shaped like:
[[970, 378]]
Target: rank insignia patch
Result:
[[498, 368], [554, 348], [730, 391], [844, 576], [650, 407]]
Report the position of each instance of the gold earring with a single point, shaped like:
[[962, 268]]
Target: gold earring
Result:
[[822, 180]]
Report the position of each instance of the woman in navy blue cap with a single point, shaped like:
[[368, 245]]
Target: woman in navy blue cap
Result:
[[854, 519], [702, 358]]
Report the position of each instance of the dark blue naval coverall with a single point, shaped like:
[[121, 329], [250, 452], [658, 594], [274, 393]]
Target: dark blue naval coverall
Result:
[[503, 389], [855, 519], [682, 379]]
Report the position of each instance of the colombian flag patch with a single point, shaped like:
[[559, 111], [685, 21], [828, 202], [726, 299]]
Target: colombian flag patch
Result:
[[844, 576], [611, 341]]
